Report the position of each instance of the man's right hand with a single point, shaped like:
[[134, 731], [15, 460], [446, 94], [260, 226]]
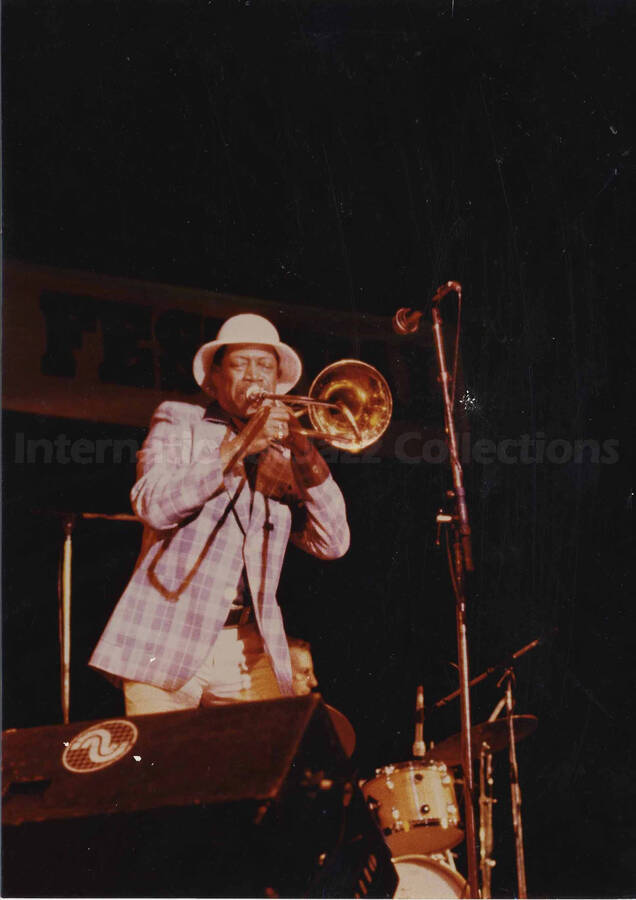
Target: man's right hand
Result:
[[274, 428]]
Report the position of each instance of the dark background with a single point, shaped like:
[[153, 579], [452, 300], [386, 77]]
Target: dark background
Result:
[[355, 156]]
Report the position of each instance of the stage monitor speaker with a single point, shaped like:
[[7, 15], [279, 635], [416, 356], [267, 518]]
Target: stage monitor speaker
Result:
[[245, 800]]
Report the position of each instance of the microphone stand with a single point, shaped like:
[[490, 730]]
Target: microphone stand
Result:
[[460, 562], [64, 593], [64, 614]]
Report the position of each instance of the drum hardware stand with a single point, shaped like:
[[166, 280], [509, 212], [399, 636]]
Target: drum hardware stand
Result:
[[447, 857], [486, 802], [64, 599], [515, 790], [450, 860], [419, 747]]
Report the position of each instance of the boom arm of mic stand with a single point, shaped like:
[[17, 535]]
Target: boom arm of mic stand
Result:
[[504, 664]]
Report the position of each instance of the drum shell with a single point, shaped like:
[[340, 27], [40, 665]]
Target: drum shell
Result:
[[421, 878], [415, 806]]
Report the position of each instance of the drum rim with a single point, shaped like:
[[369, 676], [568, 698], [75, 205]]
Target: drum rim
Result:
[[435, 863], [409, 765]]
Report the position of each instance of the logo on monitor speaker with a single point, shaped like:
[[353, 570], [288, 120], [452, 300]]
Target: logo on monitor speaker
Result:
[[99, 746]]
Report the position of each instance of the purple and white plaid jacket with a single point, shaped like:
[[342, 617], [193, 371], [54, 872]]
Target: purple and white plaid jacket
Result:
[[200, 530]]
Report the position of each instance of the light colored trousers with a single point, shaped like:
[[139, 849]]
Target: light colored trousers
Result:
[[237, 669]]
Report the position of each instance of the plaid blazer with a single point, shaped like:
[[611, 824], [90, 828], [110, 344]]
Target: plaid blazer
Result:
[[200, 530]]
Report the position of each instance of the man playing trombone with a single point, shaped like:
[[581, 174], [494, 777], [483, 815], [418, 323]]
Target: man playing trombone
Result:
[[220, 491]]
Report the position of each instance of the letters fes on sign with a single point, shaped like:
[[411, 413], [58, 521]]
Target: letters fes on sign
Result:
[[99, 746]]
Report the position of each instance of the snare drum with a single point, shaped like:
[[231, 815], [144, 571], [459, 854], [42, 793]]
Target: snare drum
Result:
[[421, 877], [415, 806]]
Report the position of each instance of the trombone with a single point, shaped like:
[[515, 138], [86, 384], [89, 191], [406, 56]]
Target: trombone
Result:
[[349, 405]]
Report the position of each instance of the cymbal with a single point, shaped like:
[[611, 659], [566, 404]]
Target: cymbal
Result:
[[495, 734], [343, 728]]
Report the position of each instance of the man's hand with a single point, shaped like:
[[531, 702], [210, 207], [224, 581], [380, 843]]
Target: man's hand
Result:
[[280, 426], [283, 427], [275, 429]]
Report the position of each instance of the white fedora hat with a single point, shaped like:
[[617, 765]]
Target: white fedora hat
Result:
[[247, 328]]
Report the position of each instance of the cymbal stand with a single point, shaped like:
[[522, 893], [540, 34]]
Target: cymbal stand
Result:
[[460, 562], [486, 802], [515, 790]]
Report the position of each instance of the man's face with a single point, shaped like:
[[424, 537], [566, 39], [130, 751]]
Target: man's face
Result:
[[304, 677], [242, 366]]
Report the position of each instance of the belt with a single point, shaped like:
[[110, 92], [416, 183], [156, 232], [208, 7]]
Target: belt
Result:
[[243, 615]]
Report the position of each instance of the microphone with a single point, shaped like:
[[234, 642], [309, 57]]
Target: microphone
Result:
[[407, 321], [419, 747]]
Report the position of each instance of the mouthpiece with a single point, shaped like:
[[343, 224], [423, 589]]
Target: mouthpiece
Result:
[[254, 392]]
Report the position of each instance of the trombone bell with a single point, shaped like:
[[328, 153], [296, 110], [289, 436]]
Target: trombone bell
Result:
[[354, 405]]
